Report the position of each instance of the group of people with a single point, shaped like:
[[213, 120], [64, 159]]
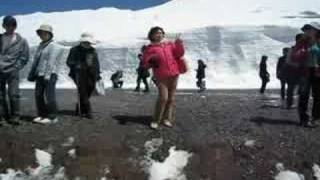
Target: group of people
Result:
[[14, 55], [299, 68], [164, 57]]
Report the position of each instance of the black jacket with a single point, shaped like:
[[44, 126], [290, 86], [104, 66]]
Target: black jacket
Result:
[[201, 71], [280, 67], [264, 74], [83, 61]]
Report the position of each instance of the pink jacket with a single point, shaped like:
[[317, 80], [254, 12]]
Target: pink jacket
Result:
[[164, 56]]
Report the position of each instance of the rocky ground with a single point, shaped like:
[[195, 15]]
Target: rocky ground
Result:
[[214, 126]]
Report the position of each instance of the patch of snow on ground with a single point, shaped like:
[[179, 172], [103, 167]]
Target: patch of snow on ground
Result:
[[44, 171], [249, 143], [316, 171], [171, 168], [287, 174]]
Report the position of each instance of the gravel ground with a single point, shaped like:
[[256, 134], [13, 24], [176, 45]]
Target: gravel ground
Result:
[[213, 125]]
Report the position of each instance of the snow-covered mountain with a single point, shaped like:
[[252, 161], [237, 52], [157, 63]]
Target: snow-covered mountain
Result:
[[229, 35]]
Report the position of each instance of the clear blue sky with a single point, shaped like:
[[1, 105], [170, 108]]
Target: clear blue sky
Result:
[[14, 7]]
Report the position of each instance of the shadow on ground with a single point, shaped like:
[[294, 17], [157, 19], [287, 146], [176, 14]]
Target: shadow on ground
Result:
[[264, 120], [125, 119]]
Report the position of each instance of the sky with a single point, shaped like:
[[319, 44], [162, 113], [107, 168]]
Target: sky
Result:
[[14, 7]]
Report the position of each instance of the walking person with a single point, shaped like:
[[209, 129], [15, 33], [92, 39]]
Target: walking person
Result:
[[280, 72], [44, 72], [143, 75], [264, 74], [310, 79], [201, 75], [163, 57], [14, 55], [85, 72]]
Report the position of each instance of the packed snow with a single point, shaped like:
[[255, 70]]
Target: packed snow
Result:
[[45, 170], [287, 174], [43, 158], [250, 143], [228, 35], [68, 142], [316, 171], [72, 153], [171, 168]]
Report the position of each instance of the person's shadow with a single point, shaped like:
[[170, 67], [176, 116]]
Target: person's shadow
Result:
[[264, 120], [67, 112], [125, 119]]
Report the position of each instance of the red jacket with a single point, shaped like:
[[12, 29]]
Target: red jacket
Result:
[[162, 58]]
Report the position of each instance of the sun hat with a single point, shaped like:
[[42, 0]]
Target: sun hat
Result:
[[87, 37]]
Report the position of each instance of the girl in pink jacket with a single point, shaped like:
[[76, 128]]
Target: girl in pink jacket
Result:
[[163, 57]]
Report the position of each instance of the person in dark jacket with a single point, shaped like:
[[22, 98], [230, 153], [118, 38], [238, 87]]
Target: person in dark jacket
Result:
[[85, 72], [291, 70], [264, 74], [14, 55], [116, 79], [310, 78], [143, 75], [280, 72], [201, 75]]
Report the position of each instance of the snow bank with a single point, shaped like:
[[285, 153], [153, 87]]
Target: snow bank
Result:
[[228, 35], [119, 27]]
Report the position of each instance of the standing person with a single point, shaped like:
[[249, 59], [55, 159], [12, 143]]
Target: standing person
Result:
[[292, 72], [44, 72], [14, 55], [310, 80], [85, 72], [116, 79], [264, 74], [163, 56], [201, 75], [280, 72], [143, 75]]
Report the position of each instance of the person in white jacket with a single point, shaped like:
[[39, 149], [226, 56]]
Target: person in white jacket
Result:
[[44, 72]]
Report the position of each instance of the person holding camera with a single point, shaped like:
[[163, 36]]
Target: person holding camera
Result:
[[164, 58], [116, 79]]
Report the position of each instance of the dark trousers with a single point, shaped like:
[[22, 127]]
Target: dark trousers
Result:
[[263, 85], [117, 84], [283, 89], [45, 94], [201, 84], [85, 85], [307, 84], [145, 82], [12, 80], [290, 92]]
